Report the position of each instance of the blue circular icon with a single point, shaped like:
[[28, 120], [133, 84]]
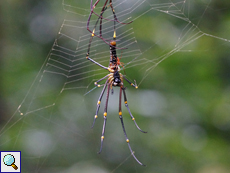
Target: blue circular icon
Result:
[[8, 159]]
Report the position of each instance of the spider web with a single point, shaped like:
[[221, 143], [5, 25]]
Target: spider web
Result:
[[52, 123]]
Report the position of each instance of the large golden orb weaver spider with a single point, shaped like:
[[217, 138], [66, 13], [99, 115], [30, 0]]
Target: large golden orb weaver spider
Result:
[[114, 78]]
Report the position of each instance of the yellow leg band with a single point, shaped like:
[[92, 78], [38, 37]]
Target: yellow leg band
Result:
[[93, 33], [120, 113], [114, 35], [105, 114]]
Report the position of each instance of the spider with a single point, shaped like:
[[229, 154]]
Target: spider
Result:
[[92, 6], [113, 79]]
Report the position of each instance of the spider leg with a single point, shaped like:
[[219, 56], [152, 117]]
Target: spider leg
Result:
[[122, 123], [93, 32], [95, 62], [126, 104], [132, 84], [114, 15], [105, 117], [110, 4], [96, 83], [99, 102], [100, 17]]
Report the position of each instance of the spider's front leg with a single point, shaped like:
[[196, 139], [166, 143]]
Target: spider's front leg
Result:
[[123, 127], [99, 18], [99, 100], [132, 117], [87, 57]]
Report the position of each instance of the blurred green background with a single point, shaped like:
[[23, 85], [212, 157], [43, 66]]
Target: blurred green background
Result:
[[183, 103]]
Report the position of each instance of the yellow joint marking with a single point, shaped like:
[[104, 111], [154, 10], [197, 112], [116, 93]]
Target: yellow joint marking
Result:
[[127, 140], [98, 85], [99, 102], [114, 35], [133, 118], [110, 77], [136, 87], [105, 114], [131, 84], [126, 102], [111, 80], [102, 137], [95, 116], [87, 57], [95, 83], [93, 33], [120, 113], [111, 70]]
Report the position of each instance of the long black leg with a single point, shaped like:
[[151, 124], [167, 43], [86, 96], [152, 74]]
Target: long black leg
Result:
[[126, 104], [101, 17], [95, 62], [132, 84], [96, 83], [114, 15], [93, 34], [110, 4], [94, 28], [105, 118], [99, 103], [122, 123]]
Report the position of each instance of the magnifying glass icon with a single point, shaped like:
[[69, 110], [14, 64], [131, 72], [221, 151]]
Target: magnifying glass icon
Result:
[[9, 160]]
